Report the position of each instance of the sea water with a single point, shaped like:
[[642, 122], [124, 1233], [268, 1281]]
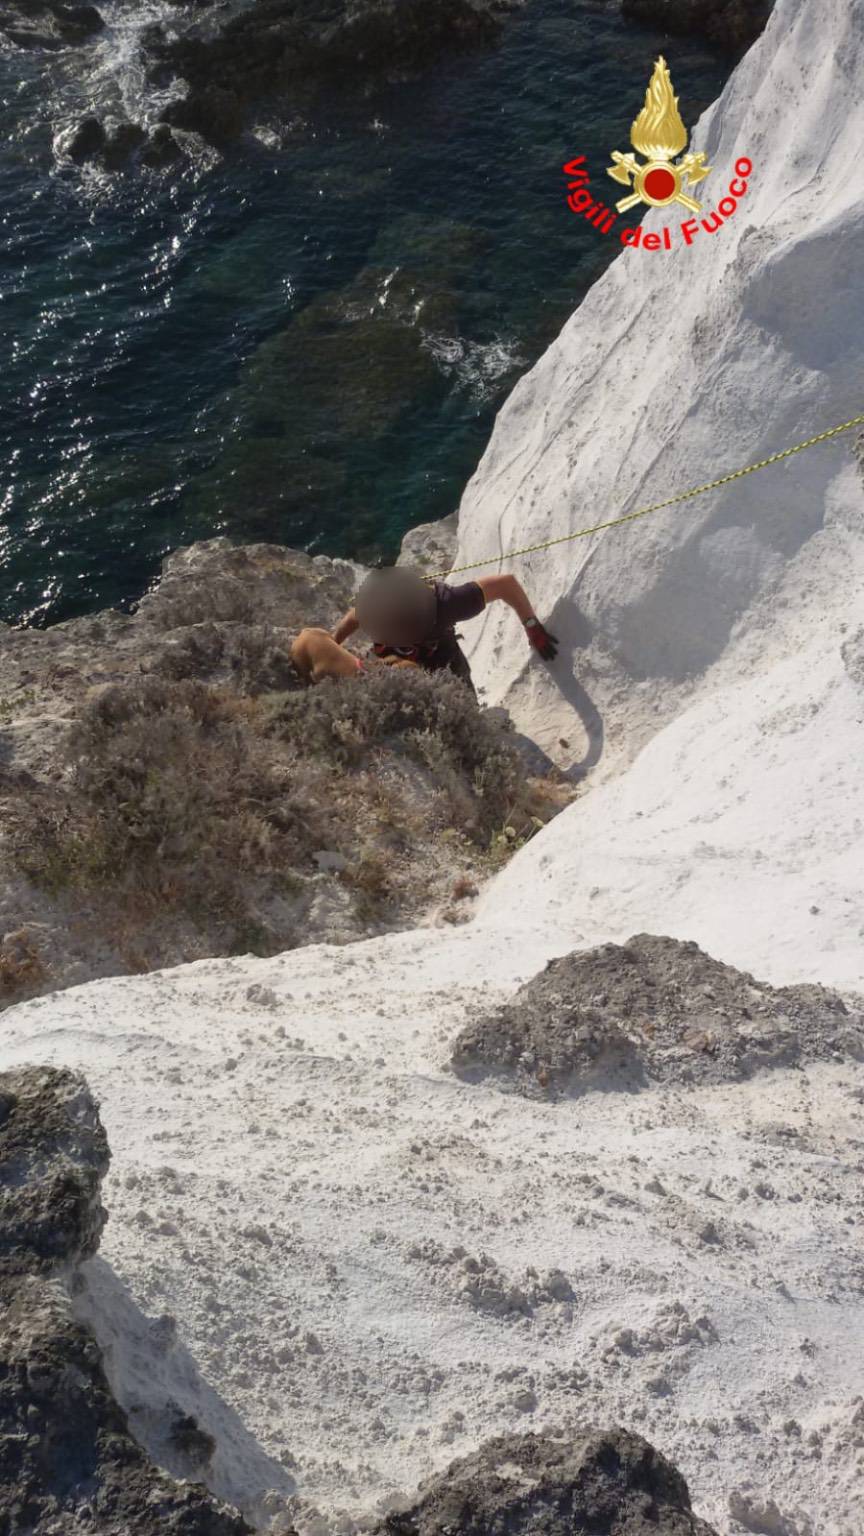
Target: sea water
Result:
[[304, 340]]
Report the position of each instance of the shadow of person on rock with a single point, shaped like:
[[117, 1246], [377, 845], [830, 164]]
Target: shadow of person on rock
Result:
[[574, 634], [174, 1413]]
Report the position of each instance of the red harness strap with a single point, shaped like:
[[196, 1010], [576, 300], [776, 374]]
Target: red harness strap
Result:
[[416, 653]]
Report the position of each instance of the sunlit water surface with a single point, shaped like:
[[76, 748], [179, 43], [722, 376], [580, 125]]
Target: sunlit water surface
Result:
[[305, 341]]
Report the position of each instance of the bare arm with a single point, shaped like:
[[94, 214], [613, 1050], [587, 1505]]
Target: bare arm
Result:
[[508, 590], [346, 626]]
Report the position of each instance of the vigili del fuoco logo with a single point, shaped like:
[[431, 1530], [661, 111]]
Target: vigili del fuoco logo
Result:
[[659, 179]]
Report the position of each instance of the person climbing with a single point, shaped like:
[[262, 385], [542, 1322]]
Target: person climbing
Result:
[[411, 623]]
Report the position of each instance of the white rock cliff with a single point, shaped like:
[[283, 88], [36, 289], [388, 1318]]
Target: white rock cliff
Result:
[[300, 1181], [712, 630]]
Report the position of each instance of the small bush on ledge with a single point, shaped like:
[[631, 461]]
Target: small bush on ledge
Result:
[[192, 817]]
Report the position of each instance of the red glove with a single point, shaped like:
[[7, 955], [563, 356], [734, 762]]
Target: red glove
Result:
[[544, 644]]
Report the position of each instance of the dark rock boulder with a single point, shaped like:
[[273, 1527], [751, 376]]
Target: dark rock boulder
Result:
[[122, 144], [297, 46], [655, 1008], [602, 1482], [91, 141], [87, 141], [67, 1460], [161, 149], [53, 1156], [212, 111], [733, 24]]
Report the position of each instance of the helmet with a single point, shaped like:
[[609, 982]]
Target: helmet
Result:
[[396, 606]]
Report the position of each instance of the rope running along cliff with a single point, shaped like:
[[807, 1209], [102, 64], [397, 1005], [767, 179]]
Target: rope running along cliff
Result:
[[671, 501]]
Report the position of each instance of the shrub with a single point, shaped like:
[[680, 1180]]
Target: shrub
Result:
[[430, 717], [191, 815], [172, 797]]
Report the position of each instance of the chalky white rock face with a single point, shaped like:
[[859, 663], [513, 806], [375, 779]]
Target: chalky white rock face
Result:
[[351, 1267], [679, 366], [369, 1263], [713, 632]]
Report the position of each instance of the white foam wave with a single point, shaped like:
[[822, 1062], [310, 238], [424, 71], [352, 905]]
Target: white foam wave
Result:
[[475, 367]]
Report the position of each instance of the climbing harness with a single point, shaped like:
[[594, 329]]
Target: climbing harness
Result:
[[671, 501]]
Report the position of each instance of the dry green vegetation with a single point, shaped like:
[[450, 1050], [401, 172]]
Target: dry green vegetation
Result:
[[220, 815]]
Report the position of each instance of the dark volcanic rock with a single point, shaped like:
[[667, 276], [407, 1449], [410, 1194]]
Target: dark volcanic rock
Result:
[[53, 1155], [602, 1483], [46, 24], [162, 148], [297, 45], [91, 141], [730, 23], [214, 112], [653, 1007], [122, 143], [88, 140], [68, 1464]]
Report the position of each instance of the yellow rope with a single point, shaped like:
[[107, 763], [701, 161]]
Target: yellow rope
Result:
[[671, 501]]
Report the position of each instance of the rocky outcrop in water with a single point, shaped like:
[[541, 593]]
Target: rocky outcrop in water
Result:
[[654, 1008], [606, 1482], [297, 46], [47, 24], [90, 141], [731, 23], [68, 1463]]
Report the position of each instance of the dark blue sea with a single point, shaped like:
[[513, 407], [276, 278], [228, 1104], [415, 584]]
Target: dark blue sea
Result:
[[306, 340]]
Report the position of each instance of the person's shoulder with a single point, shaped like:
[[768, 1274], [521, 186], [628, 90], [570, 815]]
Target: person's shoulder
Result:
[[450, 589], [459, 602]]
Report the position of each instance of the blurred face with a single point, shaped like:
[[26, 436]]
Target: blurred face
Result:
[[396, 607]]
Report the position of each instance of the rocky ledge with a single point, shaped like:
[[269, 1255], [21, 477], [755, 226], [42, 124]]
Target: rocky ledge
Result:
[[170, 790]]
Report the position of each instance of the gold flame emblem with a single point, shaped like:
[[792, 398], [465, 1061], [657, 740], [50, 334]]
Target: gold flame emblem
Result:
[[659, 134]]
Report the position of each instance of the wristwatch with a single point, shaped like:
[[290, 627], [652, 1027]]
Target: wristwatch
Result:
[[531, 623]]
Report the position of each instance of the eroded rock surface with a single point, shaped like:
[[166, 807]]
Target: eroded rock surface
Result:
[[431, 546], [654, 1008], [603, 1482]]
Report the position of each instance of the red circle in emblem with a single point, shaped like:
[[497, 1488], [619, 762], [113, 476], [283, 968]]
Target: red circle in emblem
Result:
[[660, 184]]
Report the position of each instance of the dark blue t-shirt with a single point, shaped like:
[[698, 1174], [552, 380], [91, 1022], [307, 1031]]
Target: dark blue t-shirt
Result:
[[440, 648]]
